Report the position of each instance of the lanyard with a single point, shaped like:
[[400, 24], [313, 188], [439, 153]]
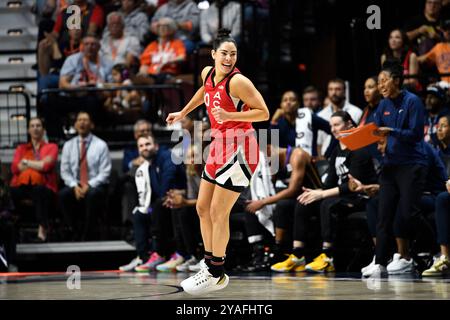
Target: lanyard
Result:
[[90, 74], [36, 153], [115, 49]]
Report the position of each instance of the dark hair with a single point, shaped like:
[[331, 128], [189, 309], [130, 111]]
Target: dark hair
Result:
[[148, 135], [37, 118], [338, 80], [374, 78], [311, 89], [294, 92], [122, 69], [394, 68], [446, 116], [223, 35], [85, 112], [405, 48], [344, 115]]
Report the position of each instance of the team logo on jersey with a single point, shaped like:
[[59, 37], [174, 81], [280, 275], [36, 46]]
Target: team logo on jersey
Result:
[[220, 87]]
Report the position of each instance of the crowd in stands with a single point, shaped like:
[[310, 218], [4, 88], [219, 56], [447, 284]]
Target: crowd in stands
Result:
[[150, 42], [405, 177]]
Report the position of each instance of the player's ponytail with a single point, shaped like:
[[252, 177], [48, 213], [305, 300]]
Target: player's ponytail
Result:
[[223, 35]]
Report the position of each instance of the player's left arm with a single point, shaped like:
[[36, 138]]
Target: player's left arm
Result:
[[241, 87]]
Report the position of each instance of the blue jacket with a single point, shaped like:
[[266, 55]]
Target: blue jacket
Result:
[[165, 175], [405, 115], [437, 173]]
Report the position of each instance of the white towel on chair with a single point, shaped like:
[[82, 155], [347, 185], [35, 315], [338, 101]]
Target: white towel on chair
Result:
[[261, 187], [303, 128], [144, 188]]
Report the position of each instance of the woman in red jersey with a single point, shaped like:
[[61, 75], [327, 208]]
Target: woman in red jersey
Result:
[[233, 103]]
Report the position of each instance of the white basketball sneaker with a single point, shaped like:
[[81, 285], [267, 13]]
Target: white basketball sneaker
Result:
[[400, 265], [203, 282]]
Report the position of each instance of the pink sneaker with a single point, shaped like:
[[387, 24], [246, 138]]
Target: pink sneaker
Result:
[[151, 264], [170, 266]]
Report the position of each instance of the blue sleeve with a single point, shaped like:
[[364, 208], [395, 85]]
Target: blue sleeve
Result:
[[319, 123], [128, 157], [377, 116], [414, 132], [439, 164], [168, 172]]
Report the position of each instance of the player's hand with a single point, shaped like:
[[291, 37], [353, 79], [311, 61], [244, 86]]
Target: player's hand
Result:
[[372, 189], [254, 205], [383, 131], [309, 196], [174, 117], [277, 115], [220, 115], [354, 184]]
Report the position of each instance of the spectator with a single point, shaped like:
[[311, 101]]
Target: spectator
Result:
[[335, 198], [439, 54], [423, 30], [336, 93], [85, 170], [443, 135], [372, 96], [398, 49], [435, 109], [184, 216], [292, 123], [34, 174], [51, 57], [154, 178], [186, 16], [296, 170], [230, 19], [311, 99], [259, 224], [83, 69], [131, 161], [62, 41], [86, 68], [441, 265], [122, 105], [161, 59], [118, 46], [135, 21]]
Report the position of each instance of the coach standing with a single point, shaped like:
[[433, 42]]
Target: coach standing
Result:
[[400, 118]]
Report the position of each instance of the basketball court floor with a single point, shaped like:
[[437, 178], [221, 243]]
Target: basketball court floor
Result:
[[115, 285]]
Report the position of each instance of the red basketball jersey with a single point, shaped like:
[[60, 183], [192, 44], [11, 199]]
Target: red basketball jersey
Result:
[[217, 95]]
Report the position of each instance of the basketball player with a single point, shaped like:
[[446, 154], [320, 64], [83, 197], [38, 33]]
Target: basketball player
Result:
[[233, 103]]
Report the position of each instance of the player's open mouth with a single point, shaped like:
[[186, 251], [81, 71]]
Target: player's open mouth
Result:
[[227, 65]]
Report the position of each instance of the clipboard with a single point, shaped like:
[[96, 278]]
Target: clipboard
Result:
[[360, 137]]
